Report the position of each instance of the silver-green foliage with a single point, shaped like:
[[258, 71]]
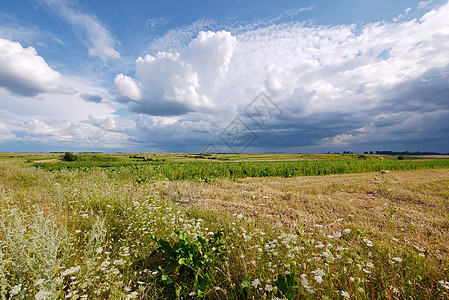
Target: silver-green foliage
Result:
[[30, 251]]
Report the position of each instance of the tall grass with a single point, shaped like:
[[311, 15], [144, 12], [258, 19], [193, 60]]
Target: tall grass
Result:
[[215, 170], [97, 233]]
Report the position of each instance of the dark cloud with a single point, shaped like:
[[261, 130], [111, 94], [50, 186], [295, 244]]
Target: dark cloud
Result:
[[91, 98], [166, 108], [19, 86]]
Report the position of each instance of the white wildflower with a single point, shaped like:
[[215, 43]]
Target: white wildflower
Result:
[[132, 295], [41, 295], [15, 290], [444, 284], [337, 234], [255, 283], [319, 272], [345, 295], [347, 231], [268, 287], [397, 259], [39, 282], [70, 271], [239, 216], [368, 242], [99, 250]]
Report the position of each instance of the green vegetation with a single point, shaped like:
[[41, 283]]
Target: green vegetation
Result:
[[111, 229], [69, 156], [214, 170]]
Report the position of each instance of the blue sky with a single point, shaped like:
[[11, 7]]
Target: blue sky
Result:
[[231, 76]]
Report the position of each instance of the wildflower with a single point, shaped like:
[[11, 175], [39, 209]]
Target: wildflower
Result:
[[319, 272], [41, 295], [269, 288], [318, 278], [70, 271], [239, 216], [370, 265], [99, 250], [444, 284], [255, 283], [337, 234], [131, 296], [397, 259], [345, 295], [15, 290], [39, 282], [347, 231], [368, 242]]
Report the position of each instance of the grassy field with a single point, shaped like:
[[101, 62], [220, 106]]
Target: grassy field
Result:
[[114, 226]]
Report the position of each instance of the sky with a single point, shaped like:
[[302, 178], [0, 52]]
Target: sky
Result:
[[224, 76]]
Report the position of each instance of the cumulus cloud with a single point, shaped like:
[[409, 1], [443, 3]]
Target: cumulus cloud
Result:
[[172, 83], [101, 42], [336, 85], [25, 73], [53, 122], [127, 87]]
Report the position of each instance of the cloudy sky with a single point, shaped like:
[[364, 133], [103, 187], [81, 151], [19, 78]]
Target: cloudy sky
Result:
[[229, 76]]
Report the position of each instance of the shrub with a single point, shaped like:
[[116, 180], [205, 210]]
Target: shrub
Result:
[[69, 156], [402, 157]]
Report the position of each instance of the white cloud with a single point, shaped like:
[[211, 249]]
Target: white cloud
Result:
[[173, 83], [179, 36], [424, 4], [53, 121], [25, 73], [127, 87], [402, 16], [101, 42], [330, 81]]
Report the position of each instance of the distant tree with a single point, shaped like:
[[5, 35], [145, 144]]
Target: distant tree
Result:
[[402, 157], [69, 156]]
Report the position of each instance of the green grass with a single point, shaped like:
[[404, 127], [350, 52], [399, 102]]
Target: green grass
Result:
[[100, 230], [216, 170]]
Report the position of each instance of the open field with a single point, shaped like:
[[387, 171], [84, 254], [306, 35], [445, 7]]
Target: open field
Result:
[[112, 226]]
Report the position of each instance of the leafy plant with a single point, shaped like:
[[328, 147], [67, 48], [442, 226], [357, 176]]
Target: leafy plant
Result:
[[69, 156], [286, 285], [185, 263]]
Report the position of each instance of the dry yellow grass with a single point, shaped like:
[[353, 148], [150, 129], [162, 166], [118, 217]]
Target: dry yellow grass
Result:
[[410, 206]]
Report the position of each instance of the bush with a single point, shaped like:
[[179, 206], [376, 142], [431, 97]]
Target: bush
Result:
[[402, 157], [69, 156]]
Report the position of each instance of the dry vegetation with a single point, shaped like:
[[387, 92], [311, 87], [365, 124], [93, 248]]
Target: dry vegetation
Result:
[[102, 233], [412, 206]]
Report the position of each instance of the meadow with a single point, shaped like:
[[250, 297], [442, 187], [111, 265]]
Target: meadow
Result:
[[222, 226]]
